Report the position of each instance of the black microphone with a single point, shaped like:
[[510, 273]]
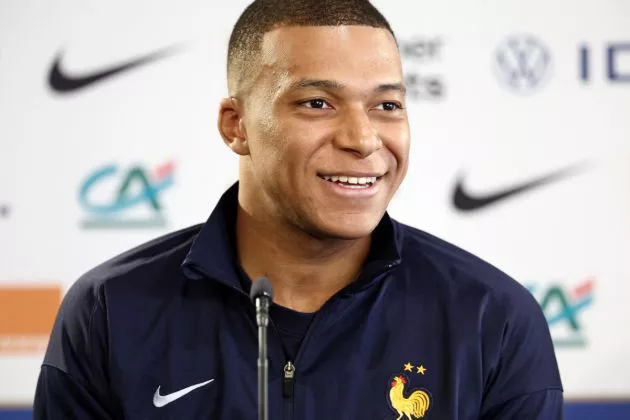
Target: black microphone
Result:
[[262, 296]]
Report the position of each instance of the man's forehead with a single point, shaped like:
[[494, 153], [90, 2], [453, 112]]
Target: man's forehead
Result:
[[312, 42], [339, 53]]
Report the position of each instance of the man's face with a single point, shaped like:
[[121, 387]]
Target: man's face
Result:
[[326, 128]]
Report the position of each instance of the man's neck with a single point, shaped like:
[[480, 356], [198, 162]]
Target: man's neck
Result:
[[305, 272]]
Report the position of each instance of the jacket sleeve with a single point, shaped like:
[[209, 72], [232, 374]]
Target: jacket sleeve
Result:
[[540, 405], [523, 382], [73, 382]]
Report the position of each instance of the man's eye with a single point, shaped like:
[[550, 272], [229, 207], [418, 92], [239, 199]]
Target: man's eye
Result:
[[316, 103], [389, 106]]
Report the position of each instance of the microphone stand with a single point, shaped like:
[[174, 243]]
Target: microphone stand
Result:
[[261, 293], [262, 318]]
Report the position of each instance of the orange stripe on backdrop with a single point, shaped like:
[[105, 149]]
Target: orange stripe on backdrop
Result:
[[27, 315]]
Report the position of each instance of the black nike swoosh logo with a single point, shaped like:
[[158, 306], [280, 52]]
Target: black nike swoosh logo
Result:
[[467, 202], [61, 82]]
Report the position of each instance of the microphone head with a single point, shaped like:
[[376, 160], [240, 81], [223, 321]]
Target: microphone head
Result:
[[261, 288]]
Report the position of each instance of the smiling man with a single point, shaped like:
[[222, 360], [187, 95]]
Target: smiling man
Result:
[[372, 319]]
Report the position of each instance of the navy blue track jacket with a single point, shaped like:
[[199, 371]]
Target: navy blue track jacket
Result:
[[427, 331]]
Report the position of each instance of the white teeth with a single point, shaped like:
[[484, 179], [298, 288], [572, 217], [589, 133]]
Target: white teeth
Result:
[[353, 180]]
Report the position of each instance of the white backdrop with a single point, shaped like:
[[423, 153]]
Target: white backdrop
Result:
[[567, 240]]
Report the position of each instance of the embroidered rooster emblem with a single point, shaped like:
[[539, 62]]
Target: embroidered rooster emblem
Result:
[[414, 406]]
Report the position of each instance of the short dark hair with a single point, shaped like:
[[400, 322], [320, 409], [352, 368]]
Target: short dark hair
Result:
[[263, 16]]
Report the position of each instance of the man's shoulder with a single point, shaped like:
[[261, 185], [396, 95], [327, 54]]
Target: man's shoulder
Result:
[[460, 268], [472, 289], [160, 255], [125, 279]]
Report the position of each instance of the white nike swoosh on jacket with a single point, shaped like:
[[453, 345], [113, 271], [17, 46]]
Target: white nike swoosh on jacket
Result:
[[162, 400]]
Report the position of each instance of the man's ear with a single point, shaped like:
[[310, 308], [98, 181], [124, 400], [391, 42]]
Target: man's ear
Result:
[[231, 126]]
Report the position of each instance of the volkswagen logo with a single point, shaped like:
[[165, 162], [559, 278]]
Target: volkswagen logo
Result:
[[523, 64], [4, 210]]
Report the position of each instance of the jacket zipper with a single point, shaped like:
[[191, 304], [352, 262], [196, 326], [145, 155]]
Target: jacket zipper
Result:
[[290, 366], [287, 389], [289, 374]]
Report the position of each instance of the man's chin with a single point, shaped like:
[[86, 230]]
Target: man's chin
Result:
[[347, 229]]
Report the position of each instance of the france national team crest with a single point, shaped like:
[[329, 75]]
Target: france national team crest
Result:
[[405, 400]]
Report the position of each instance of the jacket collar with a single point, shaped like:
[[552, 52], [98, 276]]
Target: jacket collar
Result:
[[213, 253]]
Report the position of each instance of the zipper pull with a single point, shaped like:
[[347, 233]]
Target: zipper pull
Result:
[[287, 386]]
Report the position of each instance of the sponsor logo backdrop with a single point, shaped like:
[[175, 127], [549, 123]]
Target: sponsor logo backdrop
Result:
[[520, 153]]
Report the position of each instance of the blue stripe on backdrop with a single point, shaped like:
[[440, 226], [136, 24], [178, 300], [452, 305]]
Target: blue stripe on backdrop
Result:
[[573, 411], [11, 414], [600, 411]]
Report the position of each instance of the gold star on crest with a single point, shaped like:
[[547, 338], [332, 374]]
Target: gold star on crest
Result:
[[408, 367], [421, 369]]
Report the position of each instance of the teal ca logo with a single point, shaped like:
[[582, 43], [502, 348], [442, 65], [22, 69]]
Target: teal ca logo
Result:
[[565, 309], [125, 198]]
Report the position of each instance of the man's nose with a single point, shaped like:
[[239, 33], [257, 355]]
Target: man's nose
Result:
[[357, 134]]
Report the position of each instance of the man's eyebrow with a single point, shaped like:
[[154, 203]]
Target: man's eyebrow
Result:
[[333, 85], [388, 87], [315, 83]]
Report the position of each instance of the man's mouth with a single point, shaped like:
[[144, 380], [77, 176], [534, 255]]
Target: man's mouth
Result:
[[352, 181]]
